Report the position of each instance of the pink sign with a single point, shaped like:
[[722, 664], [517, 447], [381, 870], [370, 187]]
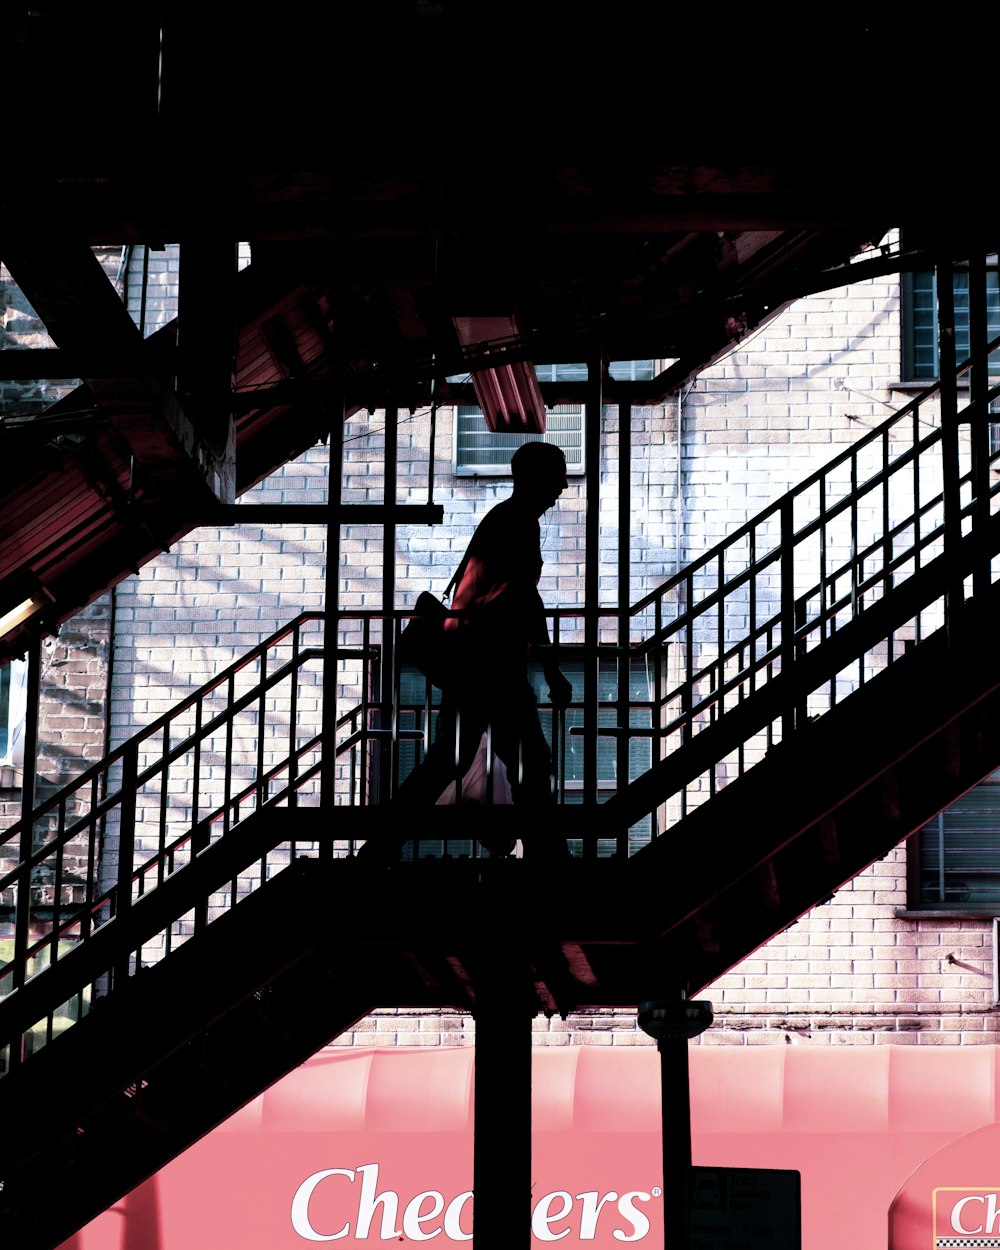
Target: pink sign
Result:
[[367, 1148]]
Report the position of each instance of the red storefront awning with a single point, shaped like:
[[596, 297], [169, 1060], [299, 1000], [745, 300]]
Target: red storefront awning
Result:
[[360, 1148]]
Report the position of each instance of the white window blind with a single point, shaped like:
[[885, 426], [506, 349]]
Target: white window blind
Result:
[[480, 452]]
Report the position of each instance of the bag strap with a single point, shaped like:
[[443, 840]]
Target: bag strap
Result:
[[457, 575]]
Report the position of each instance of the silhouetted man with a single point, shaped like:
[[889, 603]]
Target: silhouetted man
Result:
[[500, 623]]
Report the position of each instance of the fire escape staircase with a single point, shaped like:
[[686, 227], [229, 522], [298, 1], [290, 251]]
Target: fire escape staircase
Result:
[[824, 682]]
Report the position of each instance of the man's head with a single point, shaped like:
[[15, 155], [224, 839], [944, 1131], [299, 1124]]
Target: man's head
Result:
[[539, 474]]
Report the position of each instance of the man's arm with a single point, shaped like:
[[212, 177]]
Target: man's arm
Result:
[[560, 687]]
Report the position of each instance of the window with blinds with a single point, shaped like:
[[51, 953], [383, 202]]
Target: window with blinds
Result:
[[640, 693], [920, 329], [5, 734], [958, 854], [478, 452]]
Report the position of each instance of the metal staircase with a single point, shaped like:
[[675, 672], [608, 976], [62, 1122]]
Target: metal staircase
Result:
[[190, 922]]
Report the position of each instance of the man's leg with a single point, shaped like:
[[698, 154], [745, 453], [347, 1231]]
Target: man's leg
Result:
[[450, 755], [518, 739]]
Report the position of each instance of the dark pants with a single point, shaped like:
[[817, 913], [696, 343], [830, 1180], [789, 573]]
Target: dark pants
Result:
[[508, 711], [501, 702]]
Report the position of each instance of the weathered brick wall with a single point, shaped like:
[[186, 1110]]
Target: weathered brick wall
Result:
[[72, 724]]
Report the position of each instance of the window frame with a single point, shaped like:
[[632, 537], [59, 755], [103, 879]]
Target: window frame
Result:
[[574, 445], [13, 707], [958, 832], [910, 321], [508, 443]]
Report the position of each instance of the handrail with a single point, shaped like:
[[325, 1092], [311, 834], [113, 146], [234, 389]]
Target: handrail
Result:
[[775, 607], [745, 615]]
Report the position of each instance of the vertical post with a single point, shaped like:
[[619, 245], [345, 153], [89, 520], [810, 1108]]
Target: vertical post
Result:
[[673, 1022], [502, 1105], [624, 718], [126, 859], [386, 693], [594, 412], [949, 440], [788, 674], [331, 610], [979, 423], [206, 335]]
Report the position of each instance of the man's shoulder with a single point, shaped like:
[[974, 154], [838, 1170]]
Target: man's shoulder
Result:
[[509, 516], [505, 533]]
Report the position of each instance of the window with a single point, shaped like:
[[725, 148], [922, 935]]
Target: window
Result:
[[478, 452], [640, 747], [634, 370], [954, 861], [920, 331], [13, 677]]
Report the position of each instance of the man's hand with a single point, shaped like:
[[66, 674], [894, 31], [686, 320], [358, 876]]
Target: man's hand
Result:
[[560, 688]]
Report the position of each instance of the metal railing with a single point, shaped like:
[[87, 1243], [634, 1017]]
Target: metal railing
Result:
[[817, 594], [92, 854], [96, 872], [771, 628]]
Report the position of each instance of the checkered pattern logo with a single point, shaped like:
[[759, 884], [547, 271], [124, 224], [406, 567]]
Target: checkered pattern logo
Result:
[[966, 1243]]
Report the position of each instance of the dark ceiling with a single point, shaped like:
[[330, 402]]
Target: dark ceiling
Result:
[[628, 181]]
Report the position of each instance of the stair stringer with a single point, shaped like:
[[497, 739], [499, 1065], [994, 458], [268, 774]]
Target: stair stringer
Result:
[[841, 794], [161, 1062]]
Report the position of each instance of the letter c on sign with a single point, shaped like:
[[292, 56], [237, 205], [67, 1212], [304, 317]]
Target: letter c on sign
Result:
[[956, 1215], [300, 1206]]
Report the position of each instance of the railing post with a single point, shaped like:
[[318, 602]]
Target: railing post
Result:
[[126, 852], [623, 704], [594, 414], [950, 469], [978, 419], [293, 720], [331, 623], [788, 673], [388, 751]]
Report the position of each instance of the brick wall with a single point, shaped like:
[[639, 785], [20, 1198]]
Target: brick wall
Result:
[[782, 404]]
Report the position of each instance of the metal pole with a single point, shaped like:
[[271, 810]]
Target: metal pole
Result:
[[594, 413], [331, 608], [624, 693], [386, 693], [501, 1174], [673, 1022], [950, 470]]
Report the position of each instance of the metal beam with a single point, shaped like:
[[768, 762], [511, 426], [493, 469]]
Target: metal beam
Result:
[[319, 514]]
